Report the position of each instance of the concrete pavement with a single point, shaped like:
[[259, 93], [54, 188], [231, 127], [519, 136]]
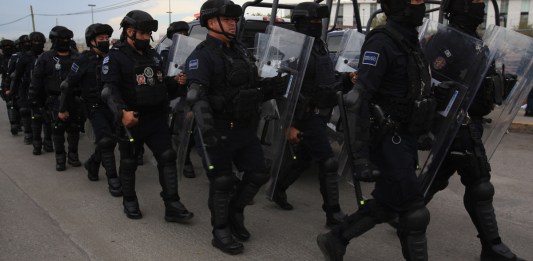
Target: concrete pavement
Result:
[[49, 215]]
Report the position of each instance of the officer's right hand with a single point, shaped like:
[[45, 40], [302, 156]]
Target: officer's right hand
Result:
[[181, 78], [8, 93], [63, 115], [365, 170], [129, 119], [293, 135]]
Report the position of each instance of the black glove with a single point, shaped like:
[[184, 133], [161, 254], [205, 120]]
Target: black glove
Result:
[[275, 86], [443, 94], [365, 170]]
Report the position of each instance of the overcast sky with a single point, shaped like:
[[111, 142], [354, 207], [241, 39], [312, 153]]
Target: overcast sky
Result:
[[76, 14]]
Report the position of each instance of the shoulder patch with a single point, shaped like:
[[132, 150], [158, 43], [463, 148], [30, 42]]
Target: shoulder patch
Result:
[[193, 64], [75, 67], [105, 69], [371, 58], [106, 60]]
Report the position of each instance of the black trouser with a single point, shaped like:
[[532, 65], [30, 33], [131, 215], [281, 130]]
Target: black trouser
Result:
[[152, 130], [41, 121], [239, 146], [101, 119], [314, 146]]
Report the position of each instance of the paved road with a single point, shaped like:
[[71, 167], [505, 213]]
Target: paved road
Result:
[[49, 215]]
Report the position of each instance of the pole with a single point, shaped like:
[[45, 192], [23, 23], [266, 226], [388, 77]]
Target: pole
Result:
[[92, 13], [169, 13], [32, 18]]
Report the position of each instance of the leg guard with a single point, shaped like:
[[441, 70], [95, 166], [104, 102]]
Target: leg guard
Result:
[[47, 129], [106, 147], [329, 188], [128, 166], [73, 138], [36, 128], [412, 233], [248, 188], [92, 166], [25, 114], [221, 188]]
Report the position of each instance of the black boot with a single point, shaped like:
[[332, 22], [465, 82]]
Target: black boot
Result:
[[114, 187], [223, 240], [131, 208], [73, 138], [92, 166], [497, 252], [37, 146], [334, 218], [280, 198], [175, 211], [127, 170], [61, 160], [236, 222], [28, 138], [188, 171], [331, 247], [14, 129]]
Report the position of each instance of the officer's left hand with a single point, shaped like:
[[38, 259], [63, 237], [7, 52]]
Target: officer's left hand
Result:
[[181, 78], [293, 135], [63, 115], [8, 93], [353, 77]]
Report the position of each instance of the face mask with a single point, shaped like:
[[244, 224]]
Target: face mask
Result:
[[476, 13], [141, 45], [62, 46], [311, 29], [37, 48], [417, 14], [103, 46]]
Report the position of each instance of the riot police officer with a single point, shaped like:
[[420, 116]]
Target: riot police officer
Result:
[[392, 74], [224, 94], [137, 92], [33, 46], [84, 78], [51, 68], [467, 154], [179, 27], [308, 131], [8, 49]]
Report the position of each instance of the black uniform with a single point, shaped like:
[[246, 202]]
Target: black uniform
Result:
[[316, 101], [225, 94], [9, 66], [393, 75], [21, 84], [84, 78], [135, 82], [50, 70], [467, 154]]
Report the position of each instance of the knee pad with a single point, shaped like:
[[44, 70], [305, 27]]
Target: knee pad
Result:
[[223, 182], [415, 220], [257, 178], [168, 156], [25, 112], [106, 143], [481, 192], [330, 165]]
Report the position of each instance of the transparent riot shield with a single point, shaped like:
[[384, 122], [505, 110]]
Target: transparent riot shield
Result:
[[346, 60], [182, 47], [513, 62], [286, 52], [459, 63]]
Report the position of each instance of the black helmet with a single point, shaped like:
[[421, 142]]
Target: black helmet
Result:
[[140, 20], [23, 39], [309, 10], [6, 43], [59, 31], [214, 8], [177, 27], [37, 37], [95, 30]]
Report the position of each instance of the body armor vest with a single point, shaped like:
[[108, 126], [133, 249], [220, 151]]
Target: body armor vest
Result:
[[230, 97], [150, 91], [416, 110], [61, 68], [92, 84]]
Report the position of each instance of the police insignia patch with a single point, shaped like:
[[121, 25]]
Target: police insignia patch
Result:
[[106, 60], [439, 63], [148, 72], [140, 79], [371, 58], [193, 64], [105, 69], [74, 67]]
